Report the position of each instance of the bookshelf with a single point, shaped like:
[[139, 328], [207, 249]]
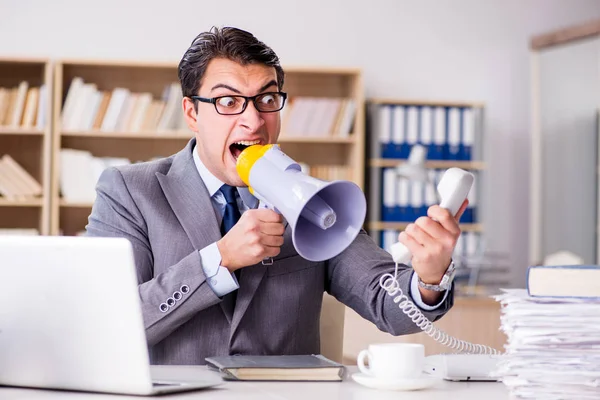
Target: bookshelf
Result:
[[331, 153], [318, 151], [452, 133], [25, 138]]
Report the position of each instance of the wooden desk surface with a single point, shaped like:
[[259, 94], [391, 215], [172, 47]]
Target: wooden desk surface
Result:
[[348, 389]]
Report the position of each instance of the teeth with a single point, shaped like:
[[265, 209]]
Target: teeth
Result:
[[248, 142]]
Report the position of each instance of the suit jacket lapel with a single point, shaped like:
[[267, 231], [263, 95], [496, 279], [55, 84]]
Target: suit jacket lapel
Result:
[[190, 201]]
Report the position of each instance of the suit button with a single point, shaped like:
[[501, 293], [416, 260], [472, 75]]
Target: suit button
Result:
[[185, 289], [170, 302], [177, 295], [163, 307]]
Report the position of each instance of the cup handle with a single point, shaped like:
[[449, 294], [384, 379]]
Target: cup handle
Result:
[[361, 362]]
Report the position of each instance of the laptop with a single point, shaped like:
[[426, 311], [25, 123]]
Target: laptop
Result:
[[71, 318]]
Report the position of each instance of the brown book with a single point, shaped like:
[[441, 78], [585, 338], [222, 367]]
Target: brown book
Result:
[[4, 98], [277, 368], [153, 115], [10, 107], [30, 110], [573, 281], [19, 105], [101, 110]]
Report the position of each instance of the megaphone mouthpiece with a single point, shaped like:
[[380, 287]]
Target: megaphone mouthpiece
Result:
[[247, 158]]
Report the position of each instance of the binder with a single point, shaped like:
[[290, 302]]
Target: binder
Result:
[[412, 127], [389, 237], [470, 214], [403, 213], [384, 129], [438, 148], [417, 204], [401, 148], [426, 129], [454, 136], [389, 210], [468, 135]]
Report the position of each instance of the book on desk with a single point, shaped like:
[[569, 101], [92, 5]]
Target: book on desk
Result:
[[277, 368], [564, 281]]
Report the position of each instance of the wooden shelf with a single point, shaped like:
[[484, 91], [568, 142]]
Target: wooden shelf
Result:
[[7, 130], [72, 204], [130, 135], [316, 139], [309, 69], [431, 103], [30, 148], [182, 135], [21, 203], [441, 164], [399, 226]]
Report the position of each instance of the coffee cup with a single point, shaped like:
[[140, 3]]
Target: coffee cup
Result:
[[392, 360]]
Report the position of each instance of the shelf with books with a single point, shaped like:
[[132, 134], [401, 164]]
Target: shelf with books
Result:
[[186, 135], [25, 144], [452, 135], [91, 132]]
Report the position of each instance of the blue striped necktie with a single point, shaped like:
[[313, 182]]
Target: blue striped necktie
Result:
[[232, 213], [230, 217]]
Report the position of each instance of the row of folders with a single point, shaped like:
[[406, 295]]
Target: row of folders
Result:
[[448, 133], [406, 200]]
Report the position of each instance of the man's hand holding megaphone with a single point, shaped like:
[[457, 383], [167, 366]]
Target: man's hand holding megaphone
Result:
[[256, 236]]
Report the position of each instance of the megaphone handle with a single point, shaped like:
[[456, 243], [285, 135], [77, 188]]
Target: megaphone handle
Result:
[[264, 204]]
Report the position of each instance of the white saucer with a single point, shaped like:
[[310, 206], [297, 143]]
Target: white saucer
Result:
[[423, 382]]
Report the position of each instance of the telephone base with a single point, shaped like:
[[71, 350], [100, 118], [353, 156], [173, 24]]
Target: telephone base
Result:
[[462, 367]]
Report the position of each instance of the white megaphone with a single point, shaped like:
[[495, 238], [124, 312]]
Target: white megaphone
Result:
[[325, 217]]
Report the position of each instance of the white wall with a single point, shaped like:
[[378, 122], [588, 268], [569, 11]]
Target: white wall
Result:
[[423, 49]]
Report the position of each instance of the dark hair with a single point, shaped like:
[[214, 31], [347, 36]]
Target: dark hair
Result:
[[231, 43]]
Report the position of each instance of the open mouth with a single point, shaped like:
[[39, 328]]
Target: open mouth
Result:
[[237, 147]]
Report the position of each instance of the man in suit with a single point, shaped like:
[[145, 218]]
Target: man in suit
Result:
[[199, 237]]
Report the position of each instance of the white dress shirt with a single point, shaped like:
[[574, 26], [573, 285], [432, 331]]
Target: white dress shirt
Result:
[[220, 280]]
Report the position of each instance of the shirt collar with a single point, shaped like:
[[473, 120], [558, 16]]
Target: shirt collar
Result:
[[213, 184]]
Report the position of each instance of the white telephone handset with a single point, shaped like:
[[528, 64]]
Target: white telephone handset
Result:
[[453, 188]]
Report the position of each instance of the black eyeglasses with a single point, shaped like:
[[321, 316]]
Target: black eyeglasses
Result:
[[232, 105]]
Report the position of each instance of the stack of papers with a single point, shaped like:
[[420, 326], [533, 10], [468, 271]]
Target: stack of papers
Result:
[[553, 349]]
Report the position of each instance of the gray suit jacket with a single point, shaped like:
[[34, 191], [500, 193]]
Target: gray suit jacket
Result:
[[165, 210]]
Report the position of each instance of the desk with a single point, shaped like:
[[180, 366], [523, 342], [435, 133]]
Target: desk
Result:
[[348, 389]]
